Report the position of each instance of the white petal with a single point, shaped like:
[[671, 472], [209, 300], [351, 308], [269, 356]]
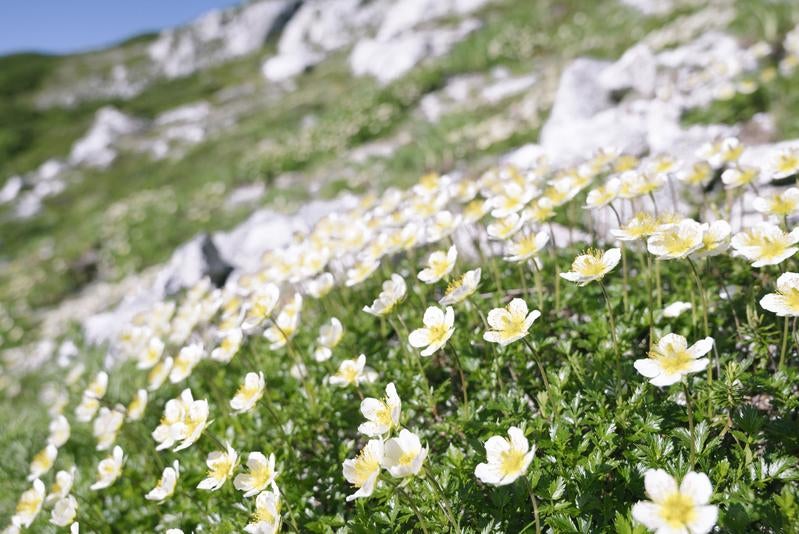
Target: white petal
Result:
[[648, 367], [698, 486], [706, 517], [648, 514], [659, 484]]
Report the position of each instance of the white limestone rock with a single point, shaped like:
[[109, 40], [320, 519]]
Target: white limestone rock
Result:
[[96, 148]]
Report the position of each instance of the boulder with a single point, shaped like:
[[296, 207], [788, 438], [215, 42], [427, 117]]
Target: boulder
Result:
[[389, 59], [218, 36], [283, 67], [11, 189], [190, 263], [96, 148]]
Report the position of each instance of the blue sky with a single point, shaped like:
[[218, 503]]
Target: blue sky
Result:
[[63, 26]]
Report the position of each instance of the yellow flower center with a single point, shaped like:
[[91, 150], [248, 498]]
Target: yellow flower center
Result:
[[383, 415], [673, 361], [221, 468], [440, 266], [771, 248], [437, 333], [349, 374], [247, 393], [365, 466], [678, 510], [589, 264], [264, 515], [791, 299], [28, 504], [675, 244], [788, 163], [260, 476], [407, 458], [511, 462], [781, 206], [512, 326]]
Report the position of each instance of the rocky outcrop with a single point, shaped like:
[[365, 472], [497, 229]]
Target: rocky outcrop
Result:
[[218, 36], [635, 104], [96, 148]]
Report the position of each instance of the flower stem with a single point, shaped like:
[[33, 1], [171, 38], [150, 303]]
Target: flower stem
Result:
[[539, 290], [612, 321], [419, 516], [538, 363], [462, 376], [443, 501], [689, 406], [534, 502], [701, 288], [783, 350]]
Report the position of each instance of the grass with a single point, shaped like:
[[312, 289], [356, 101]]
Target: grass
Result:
[[595, 435]]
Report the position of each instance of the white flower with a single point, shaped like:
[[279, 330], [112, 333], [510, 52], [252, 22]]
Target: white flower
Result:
[[106, 426], [249, 393], [267, 513], [137, 405], [64, 511], [228, 346], [675, 509], [220, 466], [510, 323], [330, 335], [29, 505], [194, 420], [166, 485], [462, 288], [59, 431], [439, 265], [672, 358], [785, 302], [673, 241], [785, 163], [381, 415], [261, 474], [507, 459], [780, 204], [320, 286], [62, 485], [260, 306], [438, 328], [715, 239], [393, 292], [361, 271], [739, 176], [593, 265], [353, 372], [363, 470], [188, 357], [765, 244], [404, 454], [603, 195], [151, 354], [159, 373], [109, 469], [43, 461], [513, 198], [506, 227], [526, 247], [675, 309], [641, 225]]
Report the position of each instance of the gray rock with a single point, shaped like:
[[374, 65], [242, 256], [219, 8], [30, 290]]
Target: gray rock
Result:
[[11, 189], [219, 35], [96, 148], [389, 59]]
